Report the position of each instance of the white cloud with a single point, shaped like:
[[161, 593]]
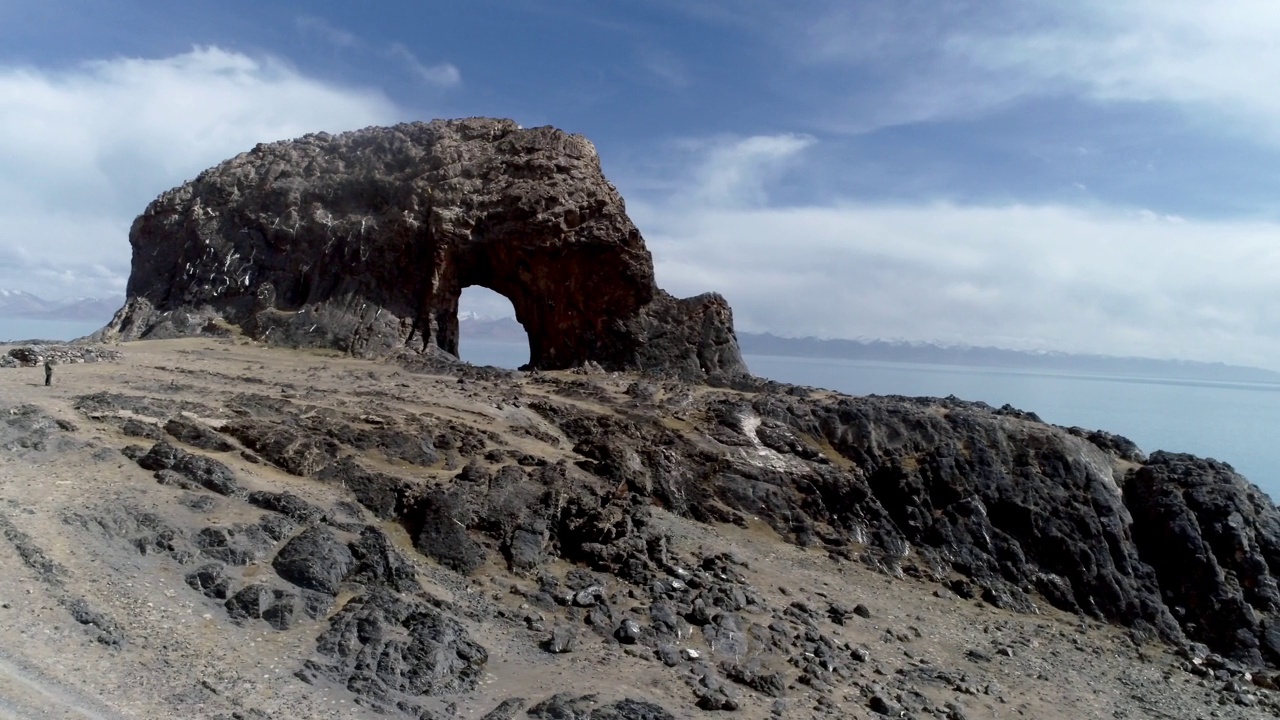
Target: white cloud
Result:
[[483, 303], [732, 172], [926, 60], [1220, 57], [82, 151], [441, 75], [320, 28], [1081, 279]]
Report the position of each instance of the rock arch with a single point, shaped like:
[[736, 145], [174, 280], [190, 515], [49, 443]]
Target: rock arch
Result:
[[363, 241]]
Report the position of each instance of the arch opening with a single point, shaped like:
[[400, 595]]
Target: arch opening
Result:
[[488, 332]]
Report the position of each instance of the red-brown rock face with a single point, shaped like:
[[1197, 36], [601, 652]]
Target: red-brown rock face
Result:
[[364, 241]]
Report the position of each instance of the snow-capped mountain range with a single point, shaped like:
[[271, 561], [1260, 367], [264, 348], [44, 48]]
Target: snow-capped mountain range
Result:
[[21, 304]]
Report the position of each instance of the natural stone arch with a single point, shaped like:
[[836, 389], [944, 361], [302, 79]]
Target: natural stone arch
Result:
[[566, 296], [363, 242]]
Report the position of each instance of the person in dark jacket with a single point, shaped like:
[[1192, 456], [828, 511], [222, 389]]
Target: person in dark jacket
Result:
[[48, 372]]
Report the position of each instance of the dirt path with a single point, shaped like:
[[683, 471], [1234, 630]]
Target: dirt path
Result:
[[24, 695]]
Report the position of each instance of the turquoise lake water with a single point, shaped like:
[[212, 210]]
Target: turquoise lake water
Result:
[[1237, 423], [21, 329]]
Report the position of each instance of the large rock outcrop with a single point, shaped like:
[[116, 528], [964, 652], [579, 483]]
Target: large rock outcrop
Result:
[[364, 241], [1214, 541]]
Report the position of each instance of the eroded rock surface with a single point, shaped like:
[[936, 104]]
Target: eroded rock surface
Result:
[[390, 650], [1214, 541], [363, 241]]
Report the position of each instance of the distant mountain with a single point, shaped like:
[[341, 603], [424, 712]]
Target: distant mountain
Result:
[[473, 327], [24, 305], [476, 327], [962, 355], [15, 303]]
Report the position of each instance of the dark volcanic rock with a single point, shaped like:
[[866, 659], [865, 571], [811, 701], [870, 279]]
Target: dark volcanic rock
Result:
[[1214, 541], [295, 451], [363, 241], [139, 429], [29, 427], [382, 493], [203, 471], [754, 675], [283, 612], [506, 710], [196, 434], [210, 580], [107, 630], [249, 603], [1010, 503], [1020, 509], [314, 560], [441, 535], [287, 504], [563, 640], [389, 650], [378, 562], [587, 707], [236, 544]]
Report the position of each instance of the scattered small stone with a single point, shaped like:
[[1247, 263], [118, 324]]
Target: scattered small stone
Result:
[[210, 580], [977, 655], [628, 633], [563, 640], [883, 705]]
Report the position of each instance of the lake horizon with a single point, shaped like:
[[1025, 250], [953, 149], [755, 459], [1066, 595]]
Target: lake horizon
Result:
[[14, 330], [1228, 421]]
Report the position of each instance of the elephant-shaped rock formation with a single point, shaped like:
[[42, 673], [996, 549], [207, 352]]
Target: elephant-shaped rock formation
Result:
[[363, 242]]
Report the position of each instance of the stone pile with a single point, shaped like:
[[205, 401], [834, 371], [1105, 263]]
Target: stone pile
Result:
[[34, 355]]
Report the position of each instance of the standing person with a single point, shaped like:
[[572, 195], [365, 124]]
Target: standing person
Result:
[[48, 372]]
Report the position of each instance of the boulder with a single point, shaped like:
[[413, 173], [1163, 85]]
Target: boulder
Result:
[[1214, 541], [442, 536], [390, 650], [197, 434], [249, 603], [379, 563], [287, 504], [203, 471], [234, 544], [210, 580], [314, 560]]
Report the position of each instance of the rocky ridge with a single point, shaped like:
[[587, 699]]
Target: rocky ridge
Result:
[[363, 242], [414, 535]]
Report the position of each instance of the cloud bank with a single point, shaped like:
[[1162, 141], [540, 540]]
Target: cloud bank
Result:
[[1072, 278], [84, 149], [1216, 61]]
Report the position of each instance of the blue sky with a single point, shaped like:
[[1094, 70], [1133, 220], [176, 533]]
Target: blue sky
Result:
[[1087, 176]]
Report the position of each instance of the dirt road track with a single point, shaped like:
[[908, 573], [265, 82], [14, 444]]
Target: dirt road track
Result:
[[26, 696]]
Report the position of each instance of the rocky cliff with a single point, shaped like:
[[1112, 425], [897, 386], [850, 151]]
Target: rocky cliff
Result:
[[363, 242]]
